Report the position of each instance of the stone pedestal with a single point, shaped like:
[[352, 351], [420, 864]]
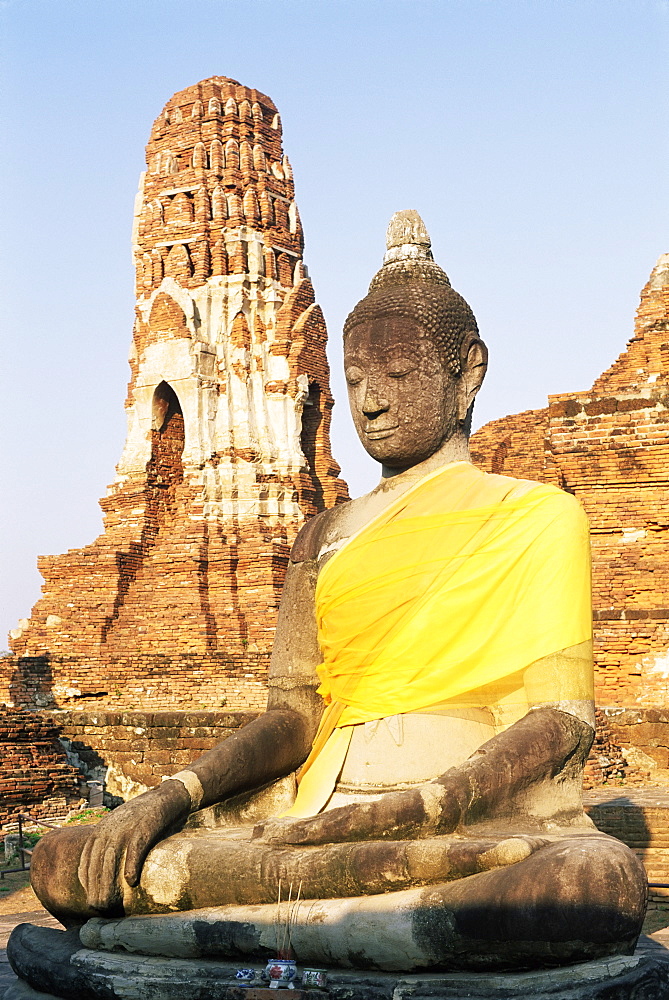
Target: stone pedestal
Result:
[[135, 977]]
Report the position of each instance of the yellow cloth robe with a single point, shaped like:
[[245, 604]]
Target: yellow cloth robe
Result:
[[444, 599]]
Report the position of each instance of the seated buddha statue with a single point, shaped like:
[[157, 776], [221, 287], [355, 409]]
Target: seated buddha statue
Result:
[[417, 773]]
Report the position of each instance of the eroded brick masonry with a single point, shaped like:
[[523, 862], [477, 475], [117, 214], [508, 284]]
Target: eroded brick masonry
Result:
[[133, 751], [35, 776], [610, 447], [228, 447]]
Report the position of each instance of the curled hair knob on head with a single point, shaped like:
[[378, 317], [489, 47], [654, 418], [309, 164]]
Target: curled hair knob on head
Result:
[[412, 285]]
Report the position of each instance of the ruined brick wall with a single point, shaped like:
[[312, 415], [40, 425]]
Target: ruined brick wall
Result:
[[610, 447], [520, 439], [160, 682], [643, 737], [133, 751], [609, 763], [228, 448], [640, 818], [35, 775]]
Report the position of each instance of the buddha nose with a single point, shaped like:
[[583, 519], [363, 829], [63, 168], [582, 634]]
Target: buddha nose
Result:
[[374, 404]]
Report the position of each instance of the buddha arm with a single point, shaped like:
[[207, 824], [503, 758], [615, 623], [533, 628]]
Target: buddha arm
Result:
[[489, 785], [272, 745], [280, 739], [546, 743]]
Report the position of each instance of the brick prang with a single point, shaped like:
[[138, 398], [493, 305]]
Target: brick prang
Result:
[[228, 450]]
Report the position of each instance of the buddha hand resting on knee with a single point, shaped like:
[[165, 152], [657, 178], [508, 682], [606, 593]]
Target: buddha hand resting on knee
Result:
[[114, 850]]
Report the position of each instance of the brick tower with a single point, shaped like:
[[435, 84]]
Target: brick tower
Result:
[[610, 447], [228, 447]]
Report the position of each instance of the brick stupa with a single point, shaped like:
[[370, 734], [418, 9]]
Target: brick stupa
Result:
[[610, 447], [228, 446]]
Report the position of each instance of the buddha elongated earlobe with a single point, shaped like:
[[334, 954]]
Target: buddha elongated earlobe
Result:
[[474, 354]]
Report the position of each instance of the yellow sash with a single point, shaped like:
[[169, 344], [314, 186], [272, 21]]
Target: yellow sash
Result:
[[461, 583]]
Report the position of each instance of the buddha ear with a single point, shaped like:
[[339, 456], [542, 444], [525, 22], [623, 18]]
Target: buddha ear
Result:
[[474, 360]]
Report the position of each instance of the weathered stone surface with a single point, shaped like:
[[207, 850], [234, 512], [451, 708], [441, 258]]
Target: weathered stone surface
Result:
[[228, 448], [124, 977], [21, 991], [570, 894]]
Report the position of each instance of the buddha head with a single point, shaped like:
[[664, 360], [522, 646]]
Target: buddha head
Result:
[[413, 357]]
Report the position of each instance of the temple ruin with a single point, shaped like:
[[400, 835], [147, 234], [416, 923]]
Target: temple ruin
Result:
[[228, 449], [151, 645], [610, 447]]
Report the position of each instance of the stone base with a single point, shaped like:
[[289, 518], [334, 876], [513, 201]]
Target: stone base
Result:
[[127, 977]]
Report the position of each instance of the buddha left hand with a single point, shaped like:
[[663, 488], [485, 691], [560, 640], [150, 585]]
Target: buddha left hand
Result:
[[433, 808]]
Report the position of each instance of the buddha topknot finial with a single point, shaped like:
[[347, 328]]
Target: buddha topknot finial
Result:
[[407, 237], [408, 256]]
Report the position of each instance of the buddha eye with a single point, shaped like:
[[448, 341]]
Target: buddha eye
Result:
[[354, 375], [400, 372]]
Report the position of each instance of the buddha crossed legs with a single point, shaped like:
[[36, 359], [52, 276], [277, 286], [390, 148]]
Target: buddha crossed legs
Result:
[[431, 685]]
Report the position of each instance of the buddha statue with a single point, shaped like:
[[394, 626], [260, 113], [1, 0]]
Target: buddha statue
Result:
[[417, 773]]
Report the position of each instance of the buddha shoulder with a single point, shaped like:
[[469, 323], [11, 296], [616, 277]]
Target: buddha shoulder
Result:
[[558, 499], [327, 531], [318, 532]]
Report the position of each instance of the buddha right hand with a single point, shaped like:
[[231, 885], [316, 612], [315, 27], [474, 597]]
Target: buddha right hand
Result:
[[129, 832]]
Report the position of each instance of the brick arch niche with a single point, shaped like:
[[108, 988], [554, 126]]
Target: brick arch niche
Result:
[[165, 466], [165, 406]]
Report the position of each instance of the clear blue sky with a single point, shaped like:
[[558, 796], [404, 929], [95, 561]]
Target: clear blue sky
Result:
[[532, 137]]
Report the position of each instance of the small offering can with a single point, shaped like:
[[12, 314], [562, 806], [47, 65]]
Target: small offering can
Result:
[[281, 972], [245, 976], [314, 979]]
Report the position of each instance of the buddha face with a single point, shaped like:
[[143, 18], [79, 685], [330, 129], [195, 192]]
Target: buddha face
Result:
[[403, 400]]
